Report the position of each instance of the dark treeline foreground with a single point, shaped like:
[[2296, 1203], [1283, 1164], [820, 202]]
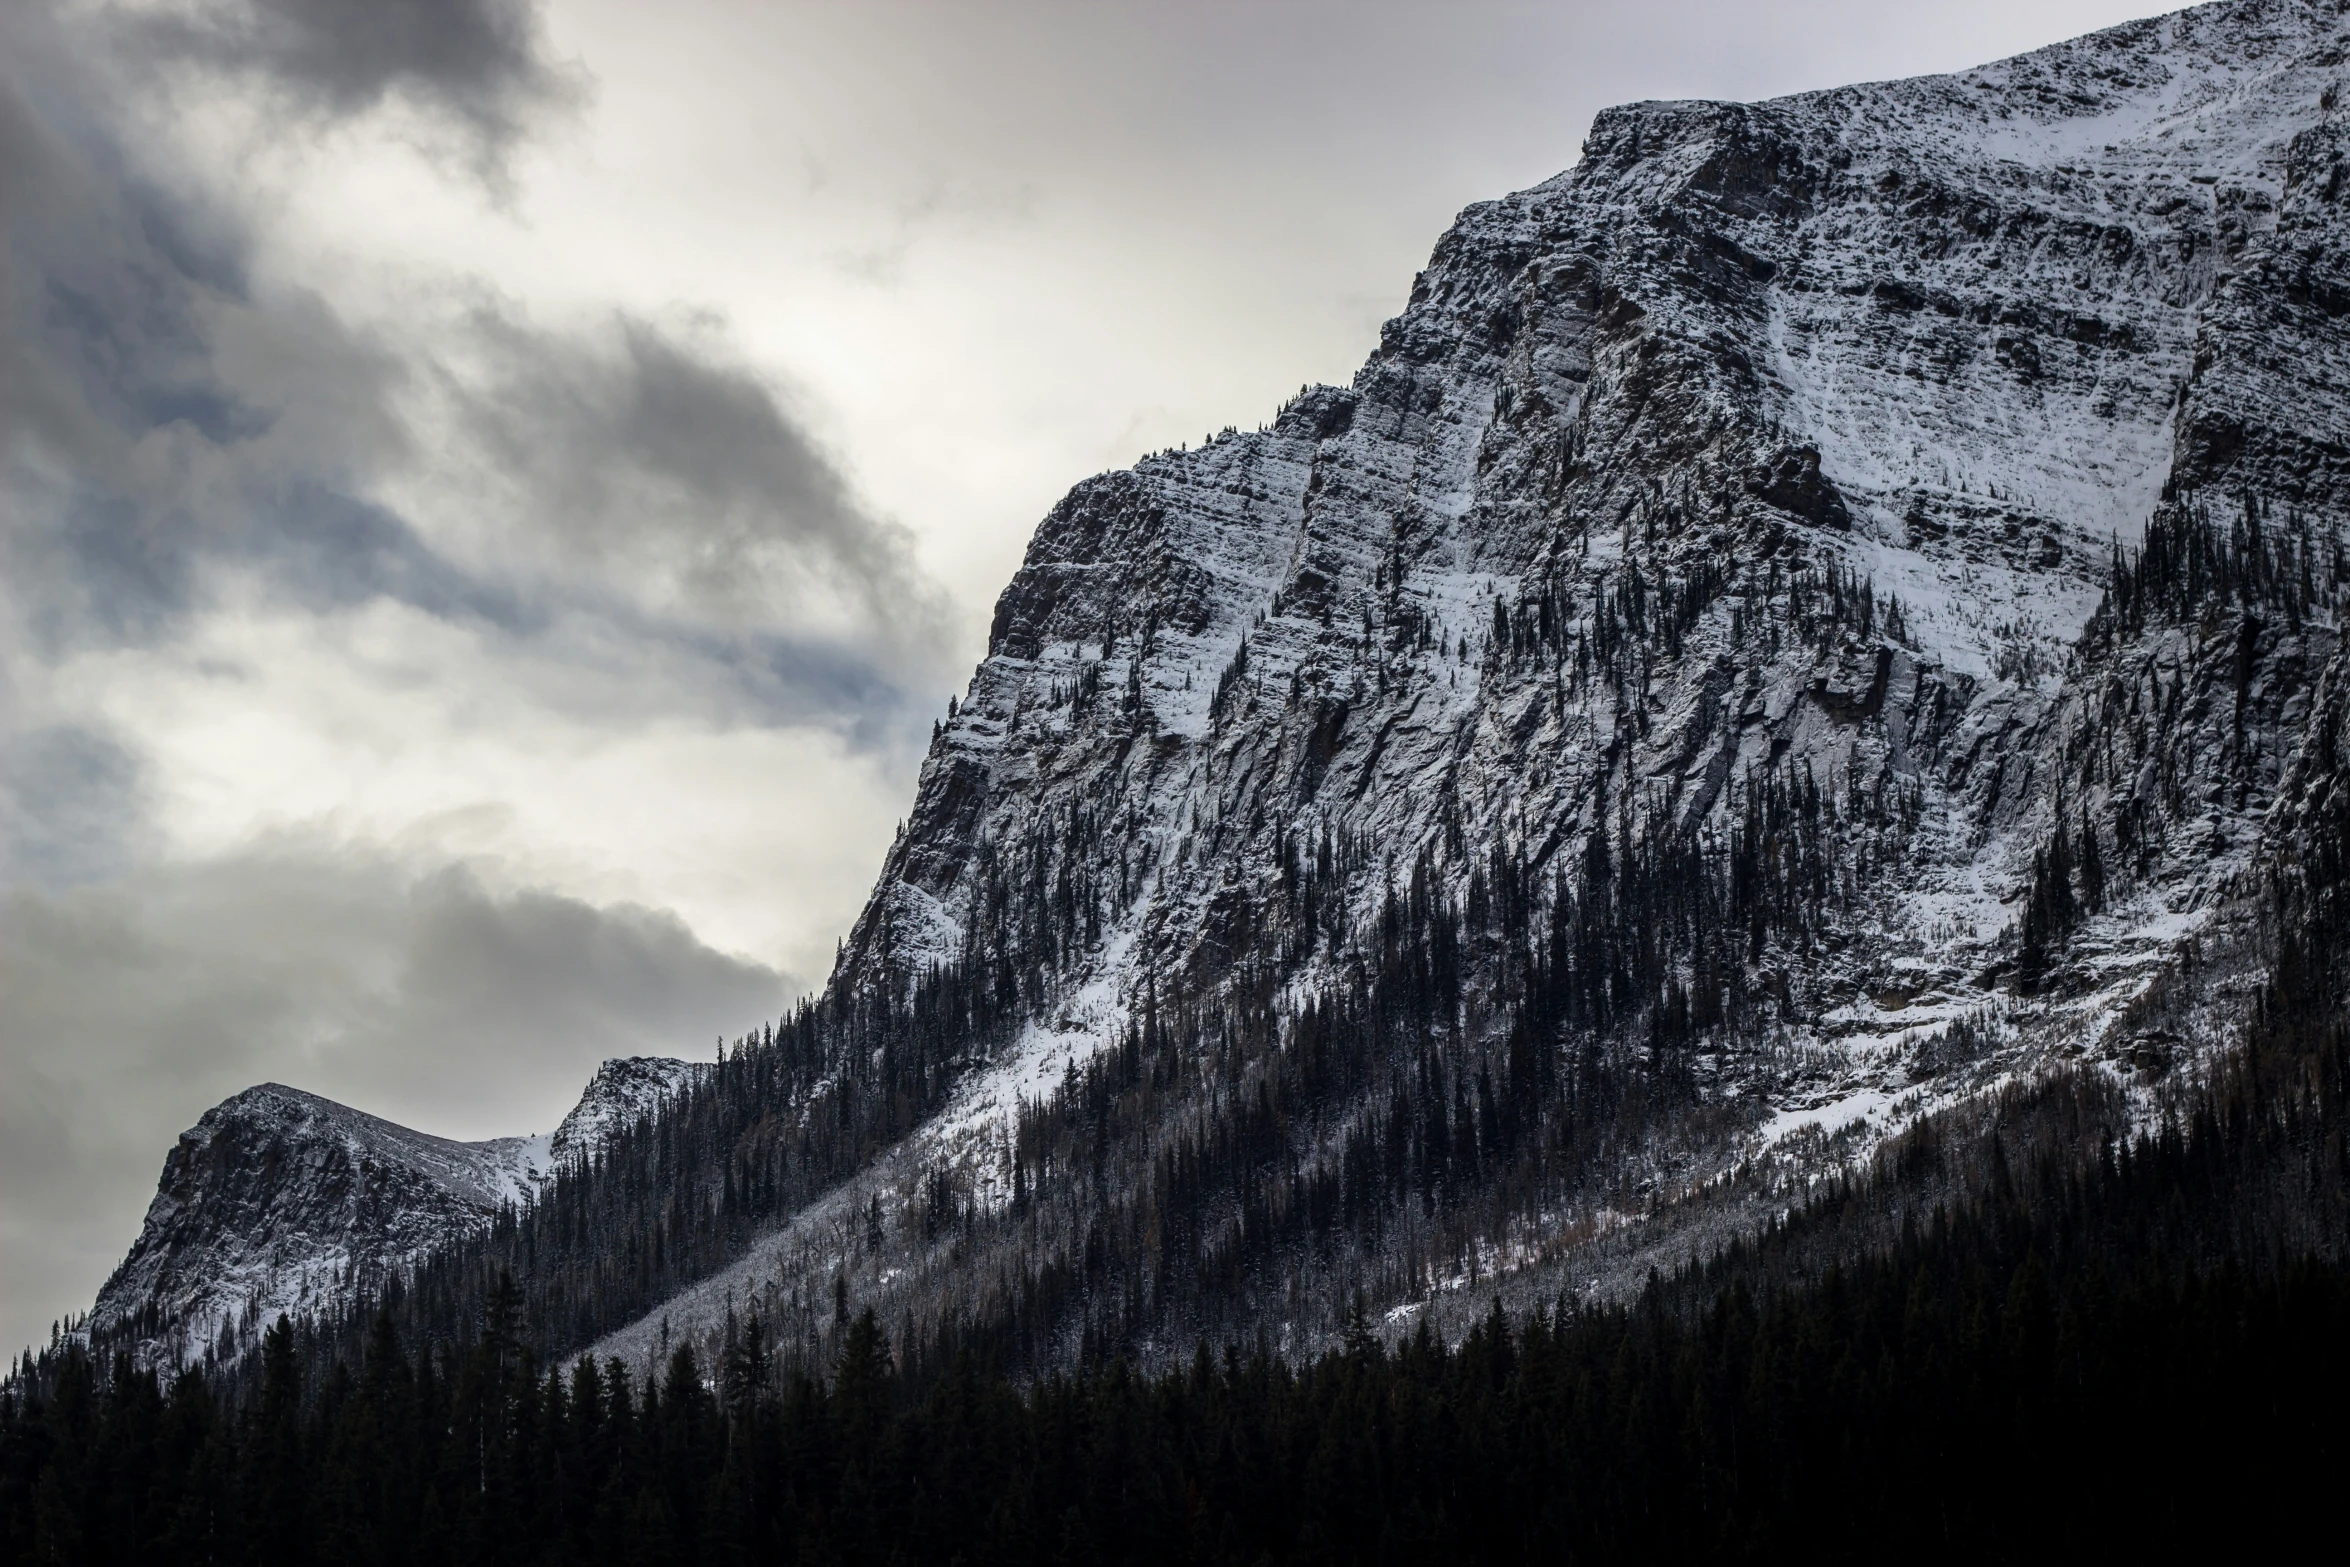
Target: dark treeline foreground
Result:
[[2078, 1357]]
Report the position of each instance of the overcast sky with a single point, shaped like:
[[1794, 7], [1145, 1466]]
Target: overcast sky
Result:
[[492, 495]]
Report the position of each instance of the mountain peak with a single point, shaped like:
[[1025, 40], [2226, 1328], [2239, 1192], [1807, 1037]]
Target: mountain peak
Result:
[[624, 1089], [279, 1200]]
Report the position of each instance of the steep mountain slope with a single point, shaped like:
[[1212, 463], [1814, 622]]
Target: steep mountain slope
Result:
[[1804, 621], [280, 1201], [1661, 713], [1582, 548]]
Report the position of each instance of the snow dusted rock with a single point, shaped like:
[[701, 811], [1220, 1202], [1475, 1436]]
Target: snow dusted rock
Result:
[[1953, 339], [280, 1201], [1824, 608], [1696, 594], [623, 1090]]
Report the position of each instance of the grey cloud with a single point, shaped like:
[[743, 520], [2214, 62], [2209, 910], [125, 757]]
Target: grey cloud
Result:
[[328, 550], [556, 977], [650, 450], [477, 64], [109, 372], [72, 807], [163, 424], [158, 415], [433, 998], [97, 321], [933, 207]]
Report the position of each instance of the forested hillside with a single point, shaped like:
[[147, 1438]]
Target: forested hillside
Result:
[[2124, 1356]]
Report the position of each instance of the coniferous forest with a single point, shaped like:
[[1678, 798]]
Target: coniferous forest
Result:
[[2119, 1354]]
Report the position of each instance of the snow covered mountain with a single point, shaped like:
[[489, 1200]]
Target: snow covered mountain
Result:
[[1823, 611], [280, 1201], [1800, 622], [1574, 553]]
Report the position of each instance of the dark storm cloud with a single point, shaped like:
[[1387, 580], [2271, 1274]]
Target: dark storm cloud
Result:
[[76, 259], [117, 402], [559, 980], [476, 64], [418, 998], [636, 425], [326, 550], [163, 423]]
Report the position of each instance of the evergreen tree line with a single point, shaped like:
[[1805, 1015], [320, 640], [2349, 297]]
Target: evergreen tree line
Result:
[[1632, 618], [2126, 1353], [2163, 726], [1471, 1069], [2191, 563]]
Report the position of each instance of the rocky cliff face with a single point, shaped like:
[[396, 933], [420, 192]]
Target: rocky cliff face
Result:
[[1581, 555], [1802, 618], [623, 1091], [1573, 554], [279, 1201]]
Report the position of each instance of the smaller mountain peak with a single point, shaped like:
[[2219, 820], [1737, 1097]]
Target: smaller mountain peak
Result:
[[273, 1098], [624, 1090], [280, 1200]]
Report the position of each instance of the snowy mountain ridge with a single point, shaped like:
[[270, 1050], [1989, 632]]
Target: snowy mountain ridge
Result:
[[1967, 413], [281, 1201], [624, 1090]]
